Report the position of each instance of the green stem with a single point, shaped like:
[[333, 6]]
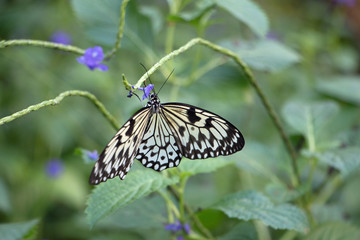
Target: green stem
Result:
[[120, 31], [183, 181], [57, 100], [39, 43], [192, 215], [251, 79]]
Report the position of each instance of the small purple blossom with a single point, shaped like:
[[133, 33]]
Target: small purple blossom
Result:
[[130, 94], [92, 155], [61, 37], [54, 168], [348, 3], [93, 58], [177, 228], [186, 228], [174, 227], [146, 90]]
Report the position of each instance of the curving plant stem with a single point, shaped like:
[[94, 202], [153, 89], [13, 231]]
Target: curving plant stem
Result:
[[57, 100], [40, 43], [249, 77], [120, 31]]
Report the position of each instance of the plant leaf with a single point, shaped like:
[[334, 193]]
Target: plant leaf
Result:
[[250, 205], [263, 55], [209, 165], [334, 231], [249, 13], [107, 197], [346, 88], [101, 23], [147, 212], [16, 231], [100, 19], [309, 118], [346, 160], [243, 231]]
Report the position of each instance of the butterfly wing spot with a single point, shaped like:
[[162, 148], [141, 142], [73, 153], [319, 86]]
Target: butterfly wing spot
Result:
[[192, 117]]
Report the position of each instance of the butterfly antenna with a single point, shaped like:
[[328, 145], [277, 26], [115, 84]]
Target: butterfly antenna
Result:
[[148, 75], [132, 93], [165, 81]]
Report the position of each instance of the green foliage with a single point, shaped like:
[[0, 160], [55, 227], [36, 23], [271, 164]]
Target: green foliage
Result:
[[17, 231], [107, 198], [309, 119], [334, 231], [251, 205], [196, 167], [345, 88], [248, 12], [345, 160], [245, 60]]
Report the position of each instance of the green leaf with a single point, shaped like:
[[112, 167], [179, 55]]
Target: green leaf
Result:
[[249, 13], [262, 160], [346, 88], [199, 8], [100, 19], [203, 166], [147, 212], [250, 205], [243, 231], [279, 192], [346, 160], [101, 23], [334, 231], [107, 197], [309, 118], [263, 55], [327, 213], [14, 231]]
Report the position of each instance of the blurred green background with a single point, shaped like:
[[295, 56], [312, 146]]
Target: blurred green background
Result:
[[308, 54]]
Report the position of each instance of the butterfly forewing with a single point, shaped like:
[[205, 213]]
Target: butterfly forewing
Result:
[[118, 155], [202, 134]]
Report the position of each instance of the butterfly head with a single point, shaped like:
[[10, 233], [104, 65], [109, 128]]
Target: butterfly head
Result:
[[154, 103]]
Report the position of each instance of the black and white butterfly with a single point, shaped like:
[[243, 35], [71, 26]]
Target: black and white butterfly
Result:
[[159, 135]]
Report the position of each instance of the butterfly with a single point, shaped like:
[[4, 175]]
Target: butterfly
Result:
[[159, 135]]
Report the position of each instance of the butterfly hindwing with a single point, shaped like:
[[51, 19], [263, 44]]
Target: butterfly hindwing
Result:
[[118, 156], [158, 149], [202, 134]]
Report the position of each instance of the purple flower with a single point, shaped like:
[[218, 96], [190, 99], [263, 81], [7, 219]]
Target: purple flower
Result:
[[130, 94], [174, 227], [93, 58], [177, 227], [61, 37], [146, 90], [54, 168], [92, 155], [186, 228], [348, 3]]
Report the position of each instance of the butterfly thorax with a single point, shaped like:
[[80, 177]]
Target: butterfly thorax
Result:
[[154, 103]]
